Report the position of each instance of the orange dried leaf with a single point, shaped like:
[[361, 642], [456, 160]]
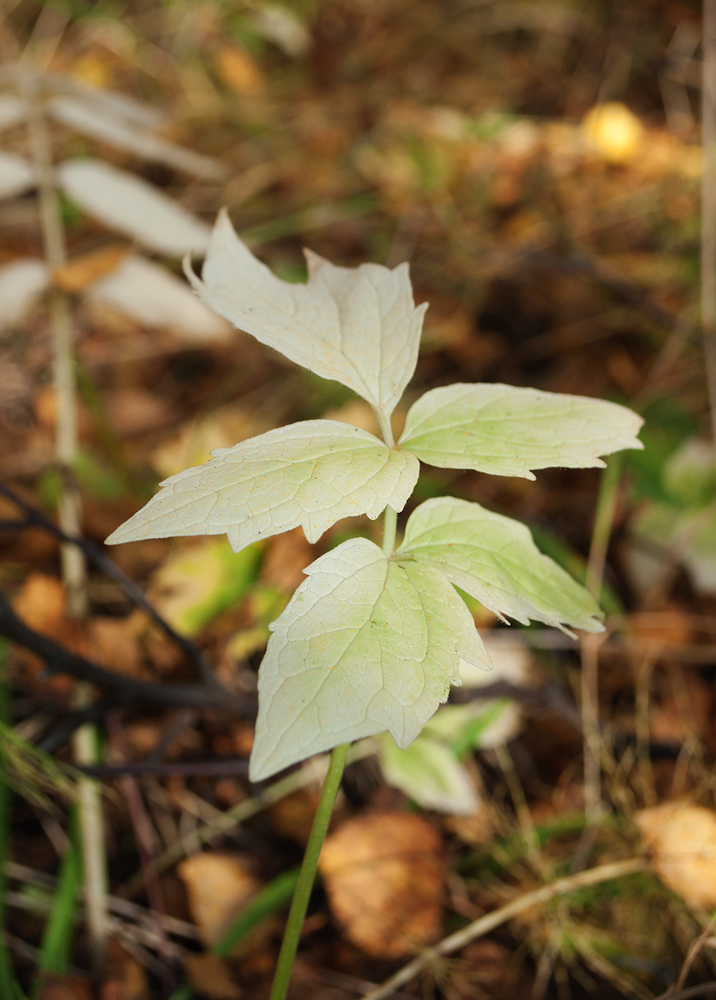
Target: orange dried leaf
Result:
[[82, 272], [238, 70], [384, 875]]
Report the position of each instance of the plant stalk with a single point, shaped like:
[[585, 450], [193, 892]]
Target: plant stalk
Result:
[[74, 573], [307, 875], [708, 202]]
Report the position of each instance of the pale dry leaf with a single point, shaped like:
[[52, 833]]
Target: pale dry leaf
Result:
[[366, 644], [154, 297], [494, 559], [681, 839], [22, 282], [310, 474], [17, 175], [219, 887], [509, 431], [283, 26], [95, 122], [358, 326], [384, 874], [124, 202]]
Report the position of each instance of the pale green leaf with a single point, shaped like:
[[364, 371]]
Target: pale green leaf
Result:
[[494, 559], [430, 774], [476, 725], [311, 474], [508, 431], [366, 644], [358, 326]]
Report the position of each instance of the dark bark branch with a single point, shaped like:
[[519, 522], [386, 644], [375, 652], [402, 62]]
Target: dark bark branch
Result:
[[61, 661], [185, 769]]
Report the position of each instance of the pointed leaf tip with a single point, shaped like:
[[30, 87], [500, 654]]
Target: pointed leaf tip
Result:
[[358, 326]]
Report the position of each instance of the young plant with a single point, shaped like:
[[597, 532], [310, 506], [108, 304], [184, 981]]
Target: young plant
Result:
[[373, 638]]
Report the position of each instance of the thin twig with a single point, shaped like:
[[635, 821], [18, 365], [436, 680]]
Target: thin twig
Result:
[[483, 925]]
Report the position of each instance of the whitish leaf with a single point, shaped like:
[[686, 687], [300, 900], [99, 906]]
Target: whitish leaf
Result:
[[16, 175], [311, 474], [508, 431], [366, 644], [279, 24], [358, 326], [13, 111], [154, 297], [95, 121], [430, 774], [21, 283], [132, 206], [494, 559]]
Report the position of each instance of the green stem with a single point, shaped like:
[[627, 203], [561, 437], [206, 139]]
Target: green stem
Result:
[[6, 974], [306, 877], [389, 527]]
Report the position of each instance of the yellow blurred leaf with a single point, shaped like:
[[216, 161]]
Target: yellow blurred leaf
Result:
[[613, 131], [199, 581]]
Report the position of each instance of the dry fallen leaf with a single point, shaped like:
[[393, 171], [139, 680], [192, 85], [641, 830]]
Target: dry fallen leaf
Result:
[[81, 272], [210, 975], [384, 875], [681, 839], [219, 887]]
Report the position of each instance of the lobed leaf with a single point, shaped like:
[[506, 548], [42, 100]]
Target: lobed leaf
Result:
[[366, 644], [494, 559], [508, 431], [310, 473], [358, 326]]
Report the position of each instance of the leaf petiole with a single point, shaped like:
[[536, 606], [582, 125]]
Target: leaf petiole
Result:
[[390, 525]]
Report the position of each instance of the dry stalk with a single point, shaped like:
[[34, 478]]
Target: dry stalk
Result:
[[74, 573]]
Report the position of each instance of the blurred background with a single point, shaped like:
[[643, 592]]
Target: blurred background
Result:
[[539, 166]]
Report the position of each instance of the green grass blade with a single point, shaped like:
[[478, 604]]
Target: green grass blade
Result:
[[7, 984], [55, 951]]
